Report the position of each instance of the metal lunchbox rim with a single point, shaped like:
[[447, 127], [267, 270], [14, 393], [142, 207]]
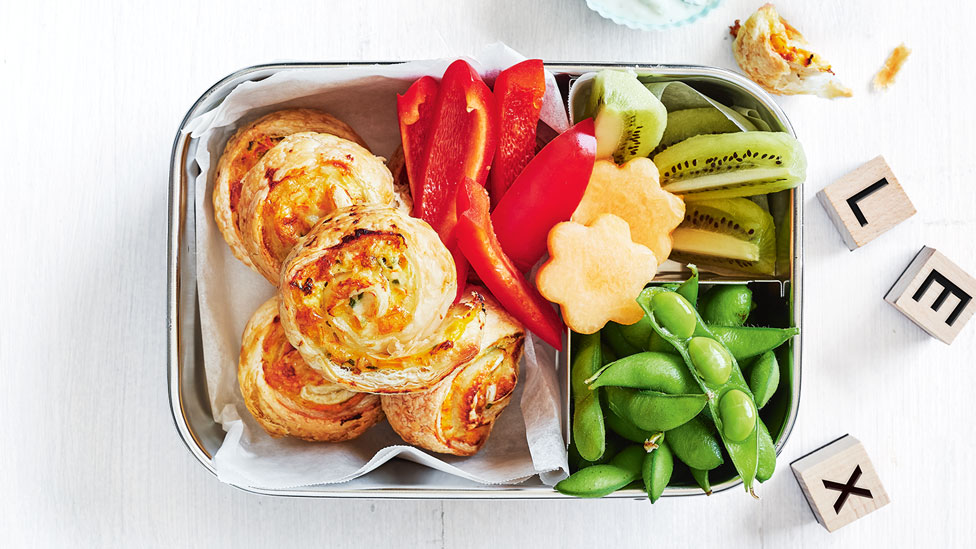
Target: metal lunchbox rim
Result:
[[179, 251]]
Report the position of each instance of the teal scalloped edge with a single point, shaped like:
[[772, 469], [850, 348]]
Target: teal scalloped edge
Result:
[[596, 5]]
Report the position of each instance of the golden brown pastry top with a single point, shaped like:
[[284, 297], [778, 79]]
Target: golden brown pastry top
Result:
[[777, 57], [302, 179], [288, 397], [367, 299], [246, 147], [456, 416]]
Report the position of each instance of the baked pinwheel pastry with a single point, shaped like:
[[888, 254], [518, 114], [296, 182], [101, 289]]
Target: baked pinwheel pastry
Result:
[[457, 414], [287, 397], [367, 297], [247, 147]]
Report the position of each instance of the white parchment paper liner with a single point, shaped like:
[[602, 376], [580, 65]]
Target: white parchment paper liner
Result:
[[526, 439]]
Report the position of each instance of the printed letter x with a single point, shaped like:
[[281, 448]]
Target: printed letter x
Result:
[[847, 489]]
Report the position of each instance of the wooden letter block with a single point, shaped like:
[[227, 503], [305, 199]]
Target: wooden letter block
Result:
[[839, 482], [935, 294], [866, 202]]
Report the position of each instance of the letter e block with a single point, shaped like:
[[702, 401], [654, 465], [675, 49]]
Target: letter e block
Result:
[[866, 202], [839, 482], [935, 294]]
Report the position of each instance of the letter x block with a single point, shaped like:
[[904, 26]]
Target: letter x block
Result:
[[839, 482], [866, 202], [935, 294]]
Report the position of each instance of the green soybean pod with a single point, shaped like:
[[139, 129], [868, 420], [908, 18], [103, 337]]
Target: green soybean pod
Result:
[[596, 481], [637, 334], [626, 429], [656, 470], [661, 372], [611, 333], [767, 454], [726, 305], [696, 445], [764, 378], [689, 288], [745, 342], [589, 432], [701, 479], [654, 411], [744, 453], [658, 344]]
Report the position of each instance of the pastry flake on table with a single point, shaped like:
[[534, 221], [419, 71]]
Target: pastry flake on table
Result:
[[289, 398], [302, 179], [368, 299], [894, 63], [456, 415], [246, 147], [777, 57]]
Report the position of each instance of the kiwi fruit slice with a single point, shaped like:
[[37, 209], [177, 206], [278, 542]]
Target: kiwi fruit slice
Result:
[[726, 236], [629, 119], [731, 165], [691, 122]]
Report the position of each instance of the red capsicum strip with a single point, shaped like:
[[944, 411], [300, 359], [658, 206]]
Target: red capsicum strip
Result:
[[415, 111], [477, 241], [545, 193], [518, 96]]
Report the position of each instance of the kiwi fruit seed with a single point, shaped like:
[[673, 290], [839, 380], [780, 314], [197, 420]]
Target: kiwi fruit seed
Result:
[[630, 120], [731, 165], [726, 236]]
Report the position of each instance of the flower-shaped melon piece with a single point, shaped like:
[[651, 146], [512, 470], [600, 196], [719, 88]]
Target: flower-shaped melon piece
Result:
[[595, 273], [633, 193]]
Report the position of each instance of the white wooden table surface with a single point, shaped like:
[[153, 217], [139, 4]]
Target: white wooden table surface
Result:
[[92, 94]]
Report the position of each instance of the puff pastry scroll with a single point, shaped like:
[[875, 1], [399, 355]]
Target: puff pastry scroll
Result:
[[456, 416], [777, 57], [246, 147], [367, 298], [287, 397], [300, 180]]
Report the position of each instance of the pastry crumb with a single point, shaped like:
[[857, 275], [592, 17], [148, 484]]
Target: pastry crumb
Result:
[[894, 63]]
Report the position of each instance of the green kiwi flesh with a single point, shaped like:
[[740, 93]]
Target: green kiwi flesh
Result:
[[630, 120], [691, 122], [726, 236], [732, 165]]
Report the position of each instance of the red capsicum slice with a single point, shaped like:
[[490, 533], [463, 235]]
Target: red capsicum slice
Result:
[[545, 193], [460, 143], [477, 241], [518, 97], [415, 111]]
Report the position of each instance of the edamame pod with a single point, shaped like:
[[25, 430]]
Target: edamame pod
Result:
[[745, 342], [701, 479], [637, 333], [689, 288], [767, 454], [611, 333], [599, 480], [656, 470], [764, 378], [589, 433], [726, 305], [629, 431], [658, 344], [654, 411], [745, 452], [665, 373], [696, 444], [671, 312]]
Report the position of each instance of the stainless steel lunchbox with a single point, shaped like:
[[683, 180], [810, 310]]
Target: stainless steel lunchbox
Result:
[[186, 378]]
